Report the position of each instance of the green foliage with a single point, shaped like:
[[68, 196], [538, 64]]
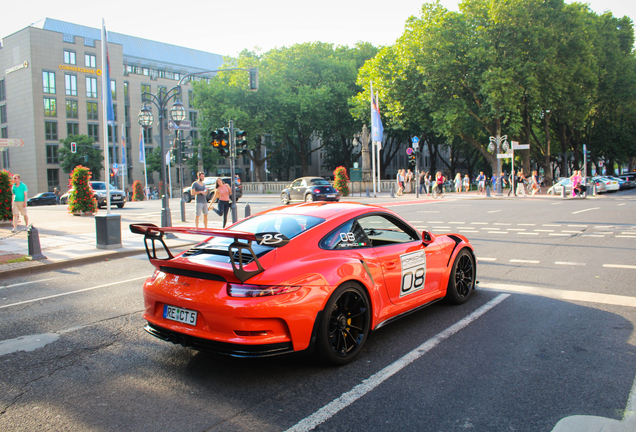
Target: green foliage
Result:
[[6, 196], [341, 183], [82, 197], [85, 147], [138, 191]]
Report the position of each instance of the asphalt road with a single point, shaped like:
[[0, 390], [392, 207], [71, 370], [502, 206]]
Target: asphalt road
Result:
[[549, 334]]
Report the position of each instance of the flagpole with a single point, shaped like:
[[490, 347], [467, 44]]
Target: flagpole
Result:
[[124, 162], [105, 87], [379, 143], [372, 143], [142, 158]]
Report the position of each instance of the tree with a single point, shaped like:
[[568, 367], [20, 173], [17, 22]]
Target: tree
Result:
[[85, 147]]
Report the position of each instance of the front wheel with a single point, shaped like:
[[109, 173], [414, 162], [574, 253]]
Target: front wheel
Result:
[[462, 278], [284, 198], [344, 325]]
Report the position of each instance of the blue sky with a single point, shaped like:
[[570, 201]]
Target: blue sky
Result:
[[227, 27]]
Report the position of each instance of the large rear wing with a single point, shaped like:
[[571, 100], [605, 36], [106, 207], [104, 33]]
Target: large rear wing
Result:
[[154, 237]]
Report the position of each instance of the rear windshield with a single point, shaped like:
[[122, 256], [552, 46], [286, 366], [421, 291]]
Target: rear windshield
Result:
[[320, 182], [288, 225]]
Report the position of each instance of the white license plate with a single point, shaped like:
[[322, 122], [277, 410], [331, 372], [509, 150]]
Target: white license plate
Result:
[[180, 315], [116, 196], [331, 196]]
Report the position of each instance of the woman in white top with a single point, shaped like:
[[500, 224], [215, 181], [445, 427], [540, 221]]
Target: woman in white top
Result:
[[458, 183]]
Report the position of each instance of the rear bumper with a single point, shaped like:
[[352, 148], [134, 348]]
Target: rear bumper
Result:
[[223, 348]]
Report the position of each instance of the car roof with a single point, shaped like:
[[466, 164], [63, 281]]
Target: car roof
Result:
[[328, 210]]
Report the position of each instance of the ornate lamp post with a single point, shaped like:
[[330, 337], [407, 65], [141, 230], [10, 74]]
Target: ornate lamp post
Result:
[[145, 119], [496, 145]]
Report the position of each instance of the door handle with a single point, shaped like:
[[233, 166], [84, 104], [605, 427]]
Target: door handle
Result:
[[390, 265]]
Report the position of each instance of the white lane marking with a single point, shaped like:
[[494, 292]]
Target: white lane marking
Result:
[[624, 236], [441, 227], [526, 233], [526, 224], [457, 223], [568, 231], [494, 211], [73, 292], [559, 234], [556, 203], [551, 225], [578, 226], [589, 297], [604, 226], [501, 223], [629, 232], [524, 261], [486, 259], [621, 266], [489, 228], [569, 263], [479, 223], [586, 210], [498, 232], [346, 399], [593, 235], [29, 283], [515, 229], [27, 343], [621, 204], [435, 222], [468, 231], [542, 230]]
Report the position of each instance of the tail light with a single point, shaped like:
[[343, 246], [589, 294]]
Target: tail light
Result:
[[243, 290]]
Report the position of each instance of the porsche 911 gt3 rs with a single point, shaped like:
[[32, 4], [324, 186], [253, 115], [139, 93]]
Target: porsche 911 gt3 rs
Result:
[[313, 276]]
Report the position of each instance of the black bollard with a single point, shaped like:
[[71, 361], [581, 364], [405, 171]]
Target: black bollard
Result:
[[368, 194], [488, 191], [392, 195], [248, 212], [33, 240]]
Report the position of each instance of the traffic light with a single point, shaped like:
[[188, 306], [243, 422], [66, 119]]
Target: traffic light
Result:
[[112, 174], [241, 141], [85, 158], [220, 140], [588, 156], [412, 159], [253, 79], [73, 147]]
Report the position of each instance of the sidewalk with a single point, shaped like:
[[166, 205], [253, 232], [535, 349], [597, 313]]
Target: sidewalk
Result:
[[73, 241]]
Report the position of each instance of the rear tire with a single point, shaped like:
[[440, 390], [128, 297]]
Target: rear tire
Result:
[[187, 197], [344, 326], [309, 197], [462, 279]]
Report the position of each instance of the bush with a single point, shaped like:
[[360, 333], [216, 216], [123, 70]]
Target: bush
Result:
[[138, 191], [6, 196], [82, 198], [341, 181]]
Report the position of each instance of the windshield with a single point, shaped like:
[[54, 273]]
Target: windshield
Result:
[[288, 225], [100, 186], [320, 182]]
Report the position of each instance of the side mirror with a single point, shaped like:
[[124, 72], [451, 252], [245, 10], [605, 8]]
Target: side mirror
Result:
[[427, 237]]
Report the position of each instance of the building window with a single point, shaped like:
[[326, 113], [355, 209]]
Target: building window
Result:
[[113, 89], [4, 132], [194, 134], [3, 114], [71, 84], [2, 95], [115, 112], [110, 133], [48, 82], [126, 98], [5, 157], [50, 131], [147, 135], [72, 129], [91, 87], [127, 113], [145, 88], [50, 107], [71, 109], [69, 57], [91, 111], [53, 177], [193, 119], [93, 131], [89, 60], [190, 99], [145, 71], [51, 154]]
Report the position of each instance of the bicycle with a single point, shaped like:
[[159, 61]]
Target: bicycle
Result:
[[437, 194]]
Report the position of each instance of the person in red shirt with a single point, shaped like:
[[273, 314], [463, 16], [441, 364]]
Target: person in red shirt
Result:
[[222, 192]]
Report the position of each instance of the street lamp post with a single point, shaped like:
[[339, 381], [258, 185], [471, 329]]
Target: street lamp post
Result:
[[497, 143], [145, 118]]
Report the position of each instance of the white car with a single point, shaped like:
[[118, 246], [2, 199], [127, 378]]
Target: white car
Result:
[[610, 185]]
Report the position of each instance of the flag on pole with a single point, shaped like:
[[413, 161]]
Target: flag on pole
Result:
[[123, 146], [377, 130], [142, 152], [107, 95]]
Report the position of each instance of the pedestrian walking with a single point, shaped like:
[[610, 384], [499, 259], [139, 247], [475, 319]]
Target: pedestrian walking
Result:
[[56, 191], [408, 177], [576, 180], [503, 181], [493, 181], [466, 183], [521, 187], [200, 191], [535, 182], [222, 193], [19, 206], [422, 180], [400, 182], [429, 183], [481, 183], [458, 182]]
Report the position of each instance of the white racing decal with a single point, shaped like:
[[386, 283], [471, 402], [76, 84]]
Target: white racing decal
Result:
[[270, 239], [413, 272]]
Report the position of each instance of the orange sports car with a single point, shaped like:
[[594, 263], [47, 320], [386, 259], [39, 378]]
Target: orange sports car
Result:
[[313, 276]]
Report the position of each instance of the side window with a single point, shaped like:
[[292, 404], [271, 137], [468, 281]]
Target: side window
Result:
[[383, 231], [347, 236], [297, 183]]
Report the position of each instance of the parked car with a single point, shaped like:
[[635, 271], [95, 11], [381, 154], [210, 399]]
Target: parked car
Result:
[[610, 185], [210, 185], [630, 182], [565, 181], [117, 197], [309, 189], [44, 198]]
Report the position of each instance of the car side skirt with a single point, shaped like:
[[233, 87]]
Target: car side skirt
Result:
[[403, 314]]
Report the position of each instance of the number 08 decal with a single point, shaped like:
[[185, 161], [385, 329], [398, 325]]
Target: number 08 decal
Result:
[[413, 272]]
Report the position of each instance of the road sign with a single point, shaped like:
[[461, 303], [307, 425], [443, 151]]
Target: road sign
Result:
[[504, 156], [115, 166], [517, 146], [409, 151], [184, 125], [115, 170], [416, 143], [11, 142]]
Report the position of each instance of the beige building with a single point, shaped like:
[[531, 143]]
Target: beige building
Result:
[[50, 88]]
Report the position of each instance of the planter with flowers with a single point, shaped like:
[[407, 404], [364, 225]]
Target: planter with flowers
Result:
[[6, 182], [341, 183], [81, 200], [138, 191]]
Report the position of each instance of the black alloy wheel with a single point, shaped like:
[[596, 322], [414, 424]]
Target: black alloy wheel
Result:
[[345, 325], [462, 278]]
